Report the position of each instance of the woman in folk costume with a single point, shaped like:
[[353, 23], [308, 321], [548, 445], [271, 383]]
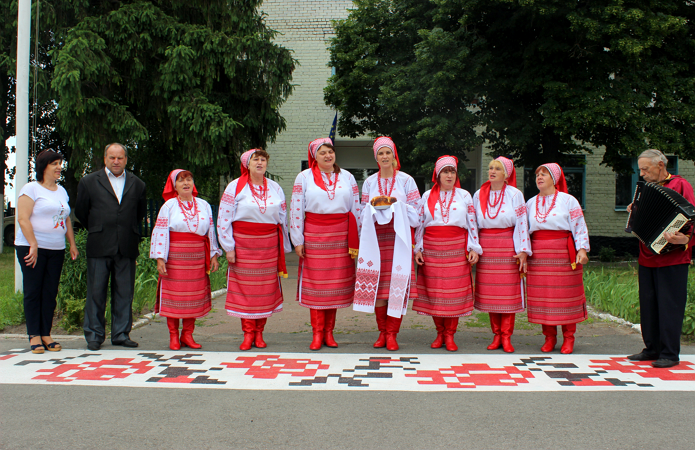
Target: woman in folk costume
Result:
[[252, 228], [185, 247], [385, 272], [446, 247], [560, 242], [324, 214], [501, 212]]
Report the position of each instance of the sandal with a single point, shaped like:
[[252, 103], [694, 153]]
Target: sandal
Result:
[[53, 346], [38, 348]]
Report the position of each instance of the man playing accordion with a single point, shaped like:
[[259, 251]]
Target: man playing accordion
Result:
[[663, 278]]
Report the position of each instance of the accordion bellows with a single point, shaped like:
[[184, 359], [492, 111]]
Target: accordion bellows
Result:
[[657, 210]]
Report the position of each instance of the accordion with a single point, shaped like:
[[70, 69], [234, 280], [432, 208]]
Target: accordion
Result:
[[657, 210]]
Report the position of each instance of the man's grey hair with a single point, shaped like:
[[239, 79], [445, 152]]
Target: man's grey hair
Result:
[[106, 149], [654, 155]]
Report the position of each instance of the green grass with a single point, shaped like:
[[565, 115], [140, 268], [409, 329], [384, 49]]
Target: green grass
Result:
[[11, 304]]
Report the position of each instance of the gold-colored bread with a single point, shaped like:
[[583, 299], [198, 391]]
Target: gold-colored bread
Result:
[[383, 200]]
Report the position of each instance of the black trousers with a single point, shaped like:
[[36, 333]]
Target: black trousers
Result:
[[662, 297], [121, 271], [40, 285]]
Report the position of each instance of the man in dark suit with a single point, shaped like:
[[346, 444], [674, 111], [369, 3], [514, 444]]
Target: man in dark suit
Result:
[[111, 203]]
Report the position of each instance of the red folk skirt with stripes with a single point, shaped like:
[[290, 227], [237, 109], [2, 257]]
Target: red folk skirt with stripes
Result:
[[444, 284], [386, 236], [498, 287], [327, 272], [555, 292], [253, 285], [184, 292]]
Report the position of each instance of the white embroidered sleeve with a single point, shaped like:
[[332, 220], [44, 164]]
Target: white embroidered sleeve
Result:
[[159, 242], [522, 241], [283, 221], [214, 247], [413, 202], [297, 206], [472, 223], [356, 207], [225, 217], [420, 231], [580, 233]]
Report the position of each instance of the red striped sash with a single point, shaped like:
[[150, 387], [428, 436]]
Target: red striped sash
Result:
[[176, 236], [336, 219], [259, 229], [558, 234]]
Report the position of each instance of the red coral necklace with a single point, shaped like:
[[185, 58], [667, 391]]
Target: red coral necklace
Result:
[[261, 195], [383, 191], [541, 217]]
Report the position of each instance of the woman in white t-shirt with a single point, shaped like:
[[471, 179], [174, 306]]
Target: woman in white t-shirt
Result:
[[43, 214]]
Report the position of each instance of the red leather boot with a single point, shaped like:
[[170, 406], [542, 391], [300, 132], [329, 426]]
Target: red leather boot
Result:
[[260, 326], [248, 326], [550, 332], [187, 334], [496, 326], [507, 328], [568, 338], [439, 324], [317, 324], [450, 325], [393, 326], [328, 326], [173, 325], [381, 316]]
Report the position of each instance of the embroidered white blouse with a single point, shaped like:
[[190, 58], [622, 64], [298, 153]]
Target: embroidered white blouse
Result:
[[244, 207], [308, 197], [171, 218], [567, 215], [461, 214], [405, 191], [511, 212]]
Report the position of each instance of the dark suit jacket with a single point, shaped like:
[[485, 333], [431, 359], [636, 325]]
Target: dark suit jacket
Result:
[[113, 227]]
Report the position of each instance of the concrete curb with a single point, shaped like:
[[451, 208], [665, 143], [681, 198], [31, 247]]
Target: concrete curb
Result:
[[605, 316], [144, 320]]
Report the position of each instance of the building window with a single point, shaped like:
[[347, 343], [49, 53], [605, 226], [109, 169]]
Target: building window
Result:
[[625, 182], [575, 175]]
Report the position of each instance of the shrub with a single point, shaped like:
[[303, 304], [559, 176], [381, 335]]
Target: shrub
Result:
[[606, 254], [11, 310]]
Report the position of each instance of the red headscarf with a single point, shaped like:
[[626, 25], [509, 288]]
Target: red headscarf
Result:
[[244, 178], [170, 186], [442, 162], [313, 164], [385, 141], [557, 174], [510, 174]]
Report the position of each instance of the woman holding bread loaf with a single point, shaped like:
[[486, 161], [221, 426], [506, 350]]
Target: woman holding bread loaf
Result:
[[446, 246], [385, 275], [324, 214]]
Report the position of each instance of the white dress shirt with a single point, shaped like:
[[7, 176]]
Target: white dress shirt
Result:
[[117, 183]]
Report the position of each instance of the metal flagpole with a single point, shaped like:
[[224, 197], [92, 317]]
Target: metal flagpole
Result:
[[22, 113]]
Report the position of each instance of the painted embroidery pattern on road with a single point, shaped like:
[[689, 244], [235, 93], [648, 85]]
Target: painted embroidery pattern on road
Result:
[[335, 371]]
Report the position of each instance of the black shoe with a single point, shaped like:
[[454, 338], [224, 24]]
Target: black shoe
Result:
[[664, 363], [93, 346], [126, 343], [643, 356]]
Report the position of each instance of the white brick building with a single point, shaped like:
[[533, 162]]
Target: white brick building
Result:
[[305, 27]]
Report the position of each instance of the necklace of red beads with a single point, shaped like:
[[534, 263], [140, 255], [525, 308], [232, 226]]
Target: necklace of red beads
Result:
[[261, 195], [330, 188], [385, 190], [189, 211], [496, 203], [445, 209], [541, 217]]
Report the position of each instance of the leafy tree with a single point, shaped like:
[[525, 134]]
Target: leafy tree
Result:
[[180, 83], [540, 79]]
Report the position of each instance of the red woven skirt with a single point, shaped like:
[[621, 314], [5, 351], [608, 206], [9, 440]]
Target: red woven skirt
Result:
[[497, 278], [555, 292], [327, 273], [444, 282], [386, 236], [253, 285], [184, 292]]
